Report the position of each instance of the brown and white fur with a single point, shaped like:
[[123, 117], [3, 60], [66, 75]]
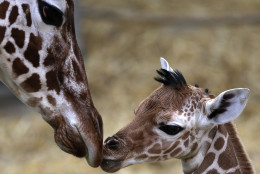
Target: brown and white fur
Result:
[[182, 121], [42, 65]]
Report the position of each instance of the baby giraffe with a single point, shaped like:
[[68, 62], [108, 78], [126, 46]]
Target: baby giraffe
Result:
[[182, 121]]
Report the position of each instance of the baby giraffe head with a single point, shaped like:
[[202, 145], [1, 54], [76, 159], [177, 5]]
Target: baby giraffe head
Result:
[[172, 122]]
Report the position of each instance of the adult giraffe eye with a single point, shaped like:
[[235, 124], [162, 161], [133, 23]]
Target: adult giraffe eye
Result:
[[50, 15], [171, 129]]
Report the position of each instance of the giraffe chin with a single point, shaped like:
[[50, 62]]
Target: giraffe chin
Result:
[[80, 149], [111, 166], [72, 140]]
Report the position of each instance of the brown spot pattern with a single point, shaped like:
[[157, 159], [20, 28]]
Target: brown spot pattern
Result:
[[185, 136], [156, 149], [141, 157], [194, 146], [52, 82], [172, 148], [13, 15], [2, 33], [219, 143], [46, 111], [33, 101], [57, 52], [3, 8], [180, 112], [212, 132], [26, 10], [186, 143], [223, 130], [208, 160], [192, 109], [225, 161], [213, 171], [154, 158], [32, 84], [51, 100], [165, 157], [32, 51], [194, 104], [19, 68], [192, 137], [19, 37], [175, 152], [50, 59], [9, 48]]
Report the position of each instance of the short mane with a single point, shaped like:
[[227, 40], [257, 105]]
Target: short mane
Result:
[[172, 78]]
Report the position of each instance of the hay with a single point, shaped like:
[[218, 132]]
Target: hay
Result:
[[121, 61]]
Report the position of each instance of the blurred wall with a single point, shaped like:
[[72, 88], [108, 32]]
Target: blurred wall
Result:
[[78, 26], [214, 43]]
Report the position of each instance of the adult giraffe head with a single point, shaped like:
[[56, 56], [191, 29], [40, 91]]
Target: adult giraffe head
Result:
[[182, 121], [42, 65]]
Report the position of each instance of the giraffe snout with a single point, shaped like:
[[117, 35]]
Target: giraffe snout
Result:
[[115, 152]]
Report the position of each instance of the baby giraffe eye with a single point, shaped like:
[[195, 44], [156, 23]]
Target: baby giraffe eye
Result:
[[50, 15], [170, 129]]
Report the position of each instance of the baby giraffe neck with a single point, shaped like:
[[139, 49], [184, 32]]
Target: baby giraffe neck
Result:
[[222, 152]]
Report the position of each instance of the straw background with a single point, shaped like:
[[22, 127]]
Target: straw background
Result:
[[215, 44]]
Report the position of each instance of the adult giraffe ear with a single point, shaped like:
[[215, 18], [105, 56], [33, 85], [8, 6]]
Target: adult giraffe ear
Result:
[[165, 64], [227, 106]]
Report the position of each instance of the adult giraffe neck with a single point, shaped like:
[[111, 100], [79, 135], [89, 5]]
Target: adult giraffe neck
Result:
[[41, 63]]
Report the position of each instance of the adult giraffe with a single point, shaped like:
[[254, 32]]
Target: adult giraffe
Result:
[[42, 65], [182, 121]]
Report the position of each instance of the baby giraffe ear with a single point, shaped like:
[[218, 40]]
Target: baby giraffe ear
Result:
[[165, 64], [227, 106]]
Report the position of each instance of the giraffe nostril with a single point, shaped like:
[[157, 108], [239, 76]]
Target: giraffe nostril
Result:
[[112, 143]]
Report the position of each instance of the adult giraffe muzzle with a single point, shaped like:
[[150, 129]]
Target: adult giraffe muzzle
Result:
[[42, 65]]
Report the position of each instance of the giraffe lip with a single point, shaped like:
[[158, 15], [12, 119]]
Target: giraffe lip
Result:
[[111, 166], [87, 150]]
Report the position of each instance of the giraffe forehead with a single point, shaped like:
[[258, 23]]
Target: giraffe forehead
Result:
[[178, 117], [184, 116]]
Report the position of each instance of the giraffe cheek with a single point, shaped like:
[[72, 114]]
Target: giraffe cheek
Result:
[[156, 149], [68, 139], [70, 143]]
